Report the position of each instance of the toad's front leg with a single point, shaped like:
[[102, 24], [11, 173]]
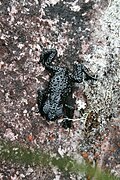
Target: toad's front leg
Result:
[[80, 72], [47, 57]]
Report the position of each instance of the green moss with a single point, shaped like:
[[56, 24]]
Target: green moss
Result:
[[18, 154]]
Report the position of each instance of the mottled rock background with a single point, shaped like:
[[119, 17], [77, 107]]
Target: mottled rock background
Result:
[[84, 31]]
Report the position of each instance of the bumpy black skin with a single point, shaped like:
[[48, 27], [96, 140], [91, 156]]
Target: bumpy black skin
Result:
[[56, 100]]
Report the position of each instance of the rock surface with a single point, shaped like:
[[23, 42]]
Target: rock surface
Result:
[[84, 31]]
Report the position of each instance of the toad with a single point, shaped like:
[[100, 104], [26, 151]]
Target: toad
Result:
[[56, 100]]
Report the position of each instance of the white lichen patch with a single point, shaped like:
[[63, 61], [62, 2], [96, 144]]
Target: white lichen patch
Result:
[[27, 28], [53, 2], [20, 45], [80, 104], [29, 171], [12, 10], [62, 151], [46, 3], [74, 6], [105, 62], [9, 135], [111, 26], [57, 173]]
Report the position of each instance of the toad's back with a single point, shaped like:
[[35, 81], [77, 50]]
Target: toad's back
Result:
[[59, 82], [56, 100], [58, 88]]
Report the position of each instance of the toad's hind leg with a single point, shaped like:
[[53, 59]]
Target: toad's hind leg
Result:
[[66, 123], [69, 107], [88, 76], [41, 98], [80, 72], [68, 113], [47, 56]]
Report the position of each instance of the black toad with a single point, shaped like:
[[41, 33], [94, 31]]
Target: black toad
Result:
[[56, 100]]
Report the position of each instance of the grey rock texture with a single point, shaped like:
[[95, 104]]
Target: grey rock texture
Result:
[[84, 31]]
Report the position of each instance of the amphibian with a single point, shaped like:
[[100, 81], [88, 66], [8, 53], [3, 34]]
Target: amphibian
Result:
[[56, 100]]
